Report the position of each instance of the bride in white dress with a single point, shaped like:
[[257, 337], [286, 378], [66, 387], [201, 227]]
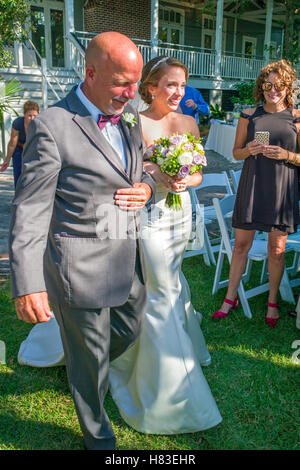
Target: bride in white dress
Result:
[[158, 384]]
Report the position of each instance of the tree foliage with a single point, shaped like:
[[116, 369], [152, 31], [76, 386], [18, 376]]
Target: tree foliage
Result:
[[291, 46], [245, 93], [13, 16]]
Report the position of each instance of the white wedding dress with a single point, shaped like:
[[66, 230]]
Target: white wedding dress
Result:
[[157, 384]]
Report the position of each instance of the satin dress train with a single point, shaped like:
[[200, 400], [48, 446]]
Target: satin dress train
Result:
[[158, 384]]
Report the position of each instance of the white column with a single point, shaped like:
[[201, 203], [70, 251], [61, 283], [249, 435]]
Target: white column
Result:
[[268, 30], [19, 54], [218, 44], [154, 27], [69, 22], [234, 35], [44, 84]]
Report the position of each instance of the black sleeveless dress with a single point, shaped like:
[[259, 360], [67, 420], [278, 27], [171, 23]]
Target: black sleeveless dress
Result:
[[267, 196]]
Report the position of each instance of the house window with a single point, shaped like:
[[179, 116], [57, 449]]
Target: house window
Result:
[[171, 25], [208, 40], [249, 46], [49, 30], [208, 22], [208, 35], [273, 50]]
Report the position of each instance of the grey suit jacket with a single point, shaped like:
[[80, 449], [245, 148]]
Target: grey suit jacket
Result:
[[66, 234]]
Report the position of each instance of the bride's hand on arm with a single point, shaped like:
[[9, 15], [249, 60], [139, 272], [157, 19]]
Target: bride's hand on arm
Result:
[[158, 176]]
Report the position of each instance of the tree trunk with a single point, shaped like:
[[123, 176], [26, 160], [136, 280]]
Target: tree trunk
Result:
[[288, 27]]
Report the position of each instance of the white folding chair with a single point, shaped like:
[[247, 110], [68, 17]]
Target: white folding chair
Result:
[[258, 252], [192, 249], [293, 244], [235, 178], [213, 180]]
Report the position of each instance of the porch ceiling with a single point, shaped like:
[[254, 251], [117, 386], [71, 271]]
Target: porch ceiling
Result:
[[256, 12]]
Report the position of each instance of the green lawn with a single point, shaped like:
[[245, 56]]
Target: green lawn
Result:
[[252, 377]]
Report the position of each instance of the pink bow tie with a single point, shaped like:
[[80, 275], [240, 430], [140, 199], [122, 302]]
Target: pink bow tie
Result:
[[104, 119]]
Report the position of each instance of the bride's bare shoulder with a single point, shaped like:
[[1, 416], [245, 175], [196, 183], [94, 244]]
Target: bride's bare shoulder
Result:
[[186, 123]]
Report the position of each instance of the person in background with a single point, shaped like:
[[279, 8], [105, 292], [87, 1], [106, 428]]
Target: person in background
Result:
[[18, 138], [267, 197], [193, 103]]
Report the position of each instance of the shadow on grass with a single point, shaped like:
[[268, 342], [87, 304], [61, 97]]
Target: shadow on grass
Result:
[[252, 378], [28, 434]]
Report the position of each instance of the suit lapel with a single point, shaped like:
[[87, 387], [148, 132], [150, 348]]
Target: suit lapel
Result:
[[131, 139], [128, 145]]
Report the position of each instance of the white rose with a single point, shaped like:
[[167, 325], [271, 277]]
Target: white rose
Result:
[[200, 147], [185, 158]]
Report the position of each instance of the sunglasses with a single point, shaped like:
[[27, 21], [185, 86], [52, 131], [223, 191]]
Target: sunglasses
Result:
[[267, 86]]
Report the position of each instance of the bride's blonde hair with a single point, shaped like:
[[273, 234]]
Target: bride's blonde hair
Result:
[[153, 71]]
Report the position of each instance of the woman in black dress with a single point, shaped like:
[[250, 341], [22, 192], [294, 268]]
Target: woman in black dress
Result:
[[267, 197]]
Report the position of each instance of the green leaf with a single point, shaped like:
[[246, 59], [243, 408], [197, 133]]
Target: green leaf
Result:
[[8, 95]]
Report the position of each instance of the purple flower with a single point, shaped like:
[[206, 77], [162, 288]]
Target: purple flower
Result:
[[203, 160], [184, 171], [197, 158], [188, 147], [175, 139], [149, 152]]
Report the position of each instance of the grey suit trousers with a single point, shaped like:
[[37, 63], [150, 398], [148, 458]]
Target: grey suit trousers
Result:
[[91, 338]]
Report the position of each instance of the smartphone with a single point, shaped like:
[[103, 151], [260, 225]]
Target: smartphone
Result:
[[263, 137]]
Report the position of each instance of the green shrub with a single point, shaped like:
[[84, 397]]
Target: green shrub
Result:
[[245, 92]]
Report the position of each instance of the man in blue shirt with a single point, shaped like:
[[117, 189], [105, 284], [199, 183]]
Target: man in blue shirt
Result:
[[193, 103]]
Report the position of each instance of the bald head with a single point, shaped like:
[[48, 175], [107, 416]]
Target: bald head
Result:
[[113, 68], [112, 47]]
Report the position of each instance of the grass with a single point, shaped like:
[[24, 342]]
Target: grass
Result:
[[252, 377]]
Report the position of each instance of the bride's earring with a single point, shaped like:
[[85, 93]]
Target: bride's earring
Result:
[[152, 97]]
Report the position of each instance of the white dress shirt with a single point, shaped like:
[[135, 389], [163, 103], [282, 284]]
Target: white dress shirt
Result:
[[111, 131]]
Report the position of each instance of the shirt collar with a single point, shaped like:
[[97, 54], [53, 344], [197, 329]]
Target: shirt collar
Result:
[[92, 109]]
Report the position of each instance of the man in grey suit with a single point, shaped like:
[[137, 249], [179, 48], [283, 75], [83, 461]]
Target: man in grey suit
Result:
[[73, 235]]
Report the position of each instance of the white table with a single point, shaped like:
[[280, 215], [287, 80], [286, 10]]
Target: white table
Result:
[[221, 139]]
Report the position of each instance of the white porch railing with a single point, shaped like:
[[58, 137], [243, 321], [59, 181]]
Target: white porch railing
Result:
[[77, 55], [46, 74], [200, 62], [233, 66]]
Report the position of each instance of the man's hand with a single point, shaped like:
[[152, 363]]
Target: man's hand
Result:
[[33, 308], [191, 103], [132, 199]]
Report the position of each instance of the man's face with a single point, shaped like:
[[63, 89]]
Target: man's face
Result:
[[112, 86]]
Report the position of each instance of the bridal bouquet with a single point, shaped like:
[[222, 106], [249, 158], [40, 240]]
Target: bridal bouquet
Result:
[[179, 155]]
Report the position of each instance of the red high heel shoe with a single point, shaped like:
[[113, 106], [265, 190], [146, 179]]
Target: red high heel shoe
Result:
[[272, 322], [219, 314]]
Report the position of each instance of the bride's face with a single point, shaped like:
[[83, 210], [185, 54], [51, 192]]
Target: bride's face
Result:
[[170, 88]]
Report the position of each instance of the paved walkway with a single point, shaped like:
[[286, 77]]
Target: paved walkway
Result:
[[6, 195], [215, 163]]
